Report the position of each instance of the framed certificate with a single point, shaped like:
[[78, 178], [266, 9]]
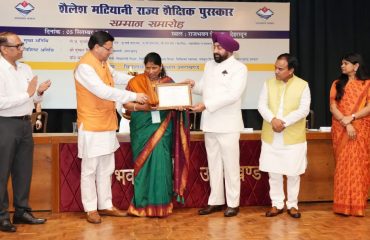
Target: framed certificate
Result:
[[173, 95]]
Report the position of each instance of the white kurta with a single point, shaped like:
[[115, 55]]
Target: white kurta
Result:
[[277, 157], [124, 124], [93, 144]]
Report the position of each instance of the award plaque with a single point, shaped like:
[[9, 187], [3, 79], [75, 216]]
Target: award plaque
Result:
[[173, 95]]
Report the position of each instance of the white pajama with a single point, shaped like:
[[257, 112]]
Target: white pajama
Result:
[[277, 196], [96, 181], [97, 152], [223, 162]]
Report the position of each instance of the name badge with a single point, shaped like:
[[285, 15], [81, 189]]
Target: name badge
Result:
[[156, 118]]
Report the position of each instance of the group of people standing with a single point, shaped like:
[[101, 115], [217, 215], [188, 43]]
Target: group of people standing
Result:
[[152, 134], [284, 104], [160, 138]]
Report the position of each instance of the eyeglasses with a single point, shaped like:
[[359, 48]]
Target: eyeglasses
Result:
[[18, 46], [108, 49]]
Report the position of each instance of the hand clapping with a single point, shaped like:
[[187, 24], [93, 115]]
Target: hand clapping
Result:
[[43, 87], [32, 86]]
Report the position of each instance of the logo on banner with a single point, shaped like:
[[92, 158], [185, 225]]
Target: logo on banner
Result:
[[24, 8], [265, 13]]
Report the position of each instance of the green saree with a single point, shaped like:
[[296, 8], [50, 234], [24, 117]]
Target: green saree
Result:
[[153, 147]]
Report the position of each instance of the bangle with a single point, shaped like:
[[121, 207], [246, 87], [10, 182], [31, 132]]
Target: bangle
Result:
[[134, 107]]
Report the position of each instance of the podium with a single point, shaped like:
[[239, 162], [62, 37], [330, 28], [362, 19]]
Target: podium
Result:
[[56, 171]]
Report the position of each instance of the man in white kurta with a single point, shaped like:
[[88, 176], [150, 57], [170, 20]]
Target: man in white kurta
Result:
[[222, 86], [93, 144], [97, 120], [284, 155]]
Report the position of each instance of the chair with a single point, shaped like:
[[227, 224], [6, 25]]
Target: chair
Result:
[[194, 119], [44, 120], [311, 120]]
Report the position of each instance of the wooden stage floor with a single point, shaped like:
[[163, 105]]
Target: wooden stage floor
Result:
[[317, 222]]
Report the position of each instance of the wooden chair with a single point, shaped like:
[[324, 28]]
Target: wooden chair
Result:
[[44, 120]]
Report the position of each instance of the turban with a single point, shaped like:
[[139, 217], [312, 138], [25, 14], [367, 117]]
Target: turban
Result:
[[226, 41]]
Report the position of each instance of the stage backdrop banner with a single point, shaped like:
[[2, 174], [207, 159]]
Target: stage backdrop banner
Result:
[[56, 33]]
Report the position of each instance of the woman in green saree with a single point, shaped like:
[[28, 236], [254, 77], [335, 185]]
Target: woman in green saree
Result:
[[156, 136]]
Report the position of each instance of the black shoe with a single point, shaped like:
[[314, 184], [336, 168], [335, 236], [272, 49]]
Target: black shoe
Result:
[[294, 213], [210, 209], [27, 218], [231, 212], [7, 226], [274, 211]]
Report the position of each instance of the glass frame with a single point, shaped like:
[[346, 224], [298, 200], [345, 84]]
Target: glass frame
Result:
[[173, 95]]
